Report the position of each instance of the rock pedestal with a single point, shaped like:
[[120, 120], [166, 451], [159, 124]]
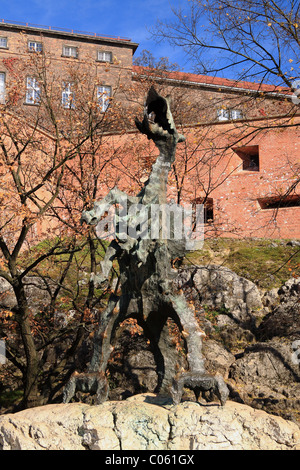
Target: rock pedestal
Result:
[[144, 422]]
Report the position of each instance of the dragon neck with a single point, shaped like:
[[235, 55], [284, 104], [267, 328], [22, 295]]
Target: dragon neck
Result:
[[155, 189]]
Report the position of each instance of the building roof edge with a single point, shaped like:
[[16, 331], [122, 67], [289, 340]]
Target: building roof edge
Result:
[[212, 82], [50, 30]]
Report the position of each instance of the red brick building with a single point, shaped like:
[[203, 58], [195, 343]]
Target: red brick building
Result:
[[243, 142], [241, 157]]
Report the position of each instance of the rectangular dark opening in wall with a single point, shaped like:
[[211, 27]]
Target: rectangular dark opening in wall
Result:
[[208, 208], [250, 157], [278, 202]]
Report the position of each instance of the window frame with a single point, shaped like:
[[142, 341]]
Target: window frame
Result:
[[68, 92], [65, 46], [233, 110], [6, 46], [279, 202], [230, 114], [35, 89], [250, 157], [35, 49], [104, 60], [208, 204], [221, 114], [103, 101]]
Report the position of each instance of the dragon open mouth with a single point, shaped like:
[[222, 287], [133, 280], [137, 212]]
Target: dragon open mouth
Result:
[[158, 121]]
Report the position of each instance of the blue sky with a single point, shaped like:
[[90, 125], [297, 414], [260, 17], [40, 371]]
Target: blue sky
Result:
[[126, 18]]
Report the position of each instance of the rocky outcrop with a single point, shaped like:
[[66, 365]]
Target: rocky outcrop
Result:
[[144, 422], [283, 319], [266, 374], [218, 287], [253, 341], [36, 290]]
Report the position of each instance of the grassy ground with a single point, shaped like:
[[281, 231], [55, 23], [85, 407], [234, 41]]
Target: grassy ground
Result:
[[268, 263]]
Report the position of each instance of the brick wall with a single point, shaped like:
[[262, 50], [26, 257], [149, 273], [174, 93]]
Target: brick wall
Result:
[[59, 67], [215, 172], [237, 208], [209, 164]]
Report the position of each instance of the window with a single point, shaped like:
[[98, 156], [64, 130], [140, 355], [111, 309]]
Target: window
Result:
[[104, 56], [34, 46], [2, 87], [3, 43], [103, 96], [223, 114], [229, 114], [236, 114], [67, 97], [33, 91], [278, 202], [208, 208], [70, 51], [249, 156]]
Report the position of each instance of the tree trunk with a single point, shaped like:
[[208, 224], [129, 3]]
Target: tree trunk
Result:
[[30, 397], [31, 369]]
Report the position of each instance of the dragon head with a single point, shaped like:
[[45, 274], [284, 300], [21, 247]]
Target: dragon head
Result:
[[158, 123]]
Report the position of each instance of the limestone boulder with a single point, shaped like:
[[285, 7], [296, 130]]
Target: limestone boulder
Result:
[[283, 319], [7, 296], [36, 290], [147, 422], [266, 376], [220, 288]]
